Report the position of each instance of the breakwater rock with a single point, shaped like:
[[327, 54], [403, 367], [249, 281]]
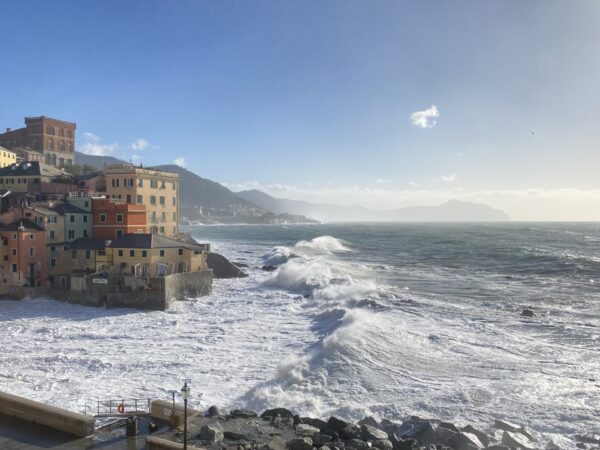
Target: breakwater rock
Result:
[[280, 429], [222, 267]]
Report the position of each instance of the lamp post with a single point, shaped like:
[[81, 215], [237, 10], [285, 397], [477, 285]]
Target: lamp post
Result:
[[185, 393]]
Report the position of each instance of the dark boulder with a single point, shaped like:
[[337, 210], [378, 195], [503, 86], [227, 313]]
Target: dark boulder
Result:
[[282, 412], [303, 429], [527, 313], [465, 441], [320, 439], [320, 424], [369, 433], [212, 433], [268, 268], [235, 436], [213, 411], [357, 444], [304, 443], [383, 444], [242, 414], [369, 420], [516, 441], [337, 424], [506, 425], [222, 267]]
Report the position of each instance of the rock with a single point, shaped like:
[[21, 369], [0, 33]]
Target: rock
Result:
[[303, 429], [465, 441], [337, 424], [320, 424], [324, 447], [282, 412], [281, 422], [268, 268], [422, 431], [304, 443], [483, 438], [552, 446], [527, 313], [235, 436], [403, 444], [242, 414], [497, 447], [320, 439], [449, 426], [212, 433], [514, 440], [370, 420], [357, 444], [587, 438], [506, 426], [334, 434], [351, 432], [370, 433], [222, 267], [383, 444], [213, 411]]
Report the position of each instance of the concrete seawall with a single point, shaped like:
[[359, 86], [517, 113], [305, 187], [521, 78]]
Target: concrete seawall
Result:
[[50, 416]]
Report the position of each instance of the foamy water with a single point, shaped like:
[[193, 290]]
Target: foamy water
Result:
[[356, 320]]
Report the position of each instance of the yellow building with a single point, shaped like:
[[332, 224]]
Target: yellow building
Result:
[[158, 190], [151, 255], [7, 157]]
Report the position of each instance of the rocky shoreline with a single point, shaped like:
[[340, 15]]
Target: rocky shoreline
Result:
[[280, 429]]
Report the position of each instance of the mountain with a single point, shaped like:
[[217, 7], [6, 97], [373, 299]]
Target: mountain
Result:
[[96, 161], [450, 211]]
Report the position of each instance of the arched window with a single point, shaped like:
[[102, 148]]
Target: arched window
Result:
[[50, 144], [61, 146], [50, 130], [62, 132], [70, 146], [69, 134]]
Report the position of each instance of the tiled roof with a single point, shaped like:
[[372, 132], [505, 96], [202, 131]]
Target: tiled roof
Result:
[[88, 244], [22, 225], [147, 240], [30, 168]]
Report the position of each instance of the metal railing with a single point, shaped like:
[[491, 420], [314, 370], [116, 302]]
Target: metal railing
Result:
[[121, 407]]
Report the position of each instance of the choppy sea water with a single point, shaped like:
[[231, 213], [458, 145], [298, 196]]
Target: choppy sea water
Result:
[[357, 319]]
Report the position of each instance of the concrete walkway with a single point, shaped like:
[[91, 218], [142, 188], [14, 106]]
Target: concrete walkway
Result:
[[16, 434]]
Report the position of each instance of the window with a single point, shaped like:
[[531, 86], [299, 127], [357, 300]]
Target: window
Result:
[[132, 253], [14, 252], [132, 270], [162, 230], [119, 232], [141, 182], [140, 199], [52, 262], [163, 216], [174, 186], [154, 216], [120, 252], [174, 217], [65, 248], [52, 219], [71, 234], [74, 254], [144, 253], [153, 199], [86, 204], [162, 201], [102, 218], [61, 132], [85, 217], [153, 184], [162, 184], [31, 251], [32, 237], [101, 253], [61, 146], [85, 233], [128, 182], [50, 144], [88, 254], [51, 234], [72, 218], [180, 251], [162, 253], [119, 217], [14, 268], [115, 182], [52, 248], [128, 198], [69, 134], [174, 201], [174, 230]]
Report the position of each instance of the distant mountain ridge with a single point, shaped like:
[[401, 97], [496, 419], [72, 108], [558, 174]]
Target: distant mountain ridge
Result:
[[206, 201], [450, 211]]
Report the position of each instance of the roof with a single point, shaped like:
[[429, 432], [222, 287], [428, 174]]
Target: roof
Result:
[[88, 244], [88, 176], [67, 208], [45, 211], [147, 240], [22, 225], [31, 168]]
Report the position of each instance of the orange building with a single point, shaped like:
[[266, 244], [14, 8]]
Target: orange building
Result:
[[113, 218], [23, 254]]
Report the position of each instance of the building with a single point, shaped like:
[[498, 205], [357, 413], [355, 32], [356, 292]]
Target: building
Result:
[[89, 256], [152, 256], [78, 221], [59, 265], [158, 190], [27, 155], [34, 178], [23, 255], [7, 157], [53, 138], [91, 182], [112, 218]]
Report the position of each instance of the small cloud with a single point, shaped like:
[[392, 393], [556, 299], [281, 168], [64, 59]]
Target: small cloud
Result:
[[425, 119], [180, 161], [92, 146], [139, 144], [449, 178], [413, 184], [382, 180], [136, 158]]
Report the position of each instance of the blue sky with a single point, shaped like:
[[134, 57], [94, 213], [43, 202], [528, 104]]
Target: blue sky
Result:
[[313, 99]]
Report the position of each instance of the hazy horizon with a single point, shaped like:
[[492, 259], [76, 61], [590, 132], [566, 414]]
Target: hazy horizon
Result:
[[384, 105]]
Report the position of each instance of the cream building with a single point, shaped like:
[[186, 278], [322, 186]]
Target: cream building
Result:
[[7, 157], [158, 190]]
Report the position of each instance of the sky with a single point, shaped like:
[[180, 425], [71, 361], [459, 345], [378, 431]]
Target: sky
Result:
[[378, 103]]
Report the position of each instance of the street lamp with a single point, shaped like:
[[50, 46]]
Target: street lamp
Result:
[[185, 393]]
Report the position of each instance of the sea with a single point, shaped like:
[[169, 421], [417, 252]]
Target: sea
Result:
[[352, 320]]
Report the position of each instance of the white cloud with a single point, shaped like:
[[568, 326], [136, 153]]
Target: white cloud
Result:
[[413, 184], [136, 158], [449, 178], [426, 118], [92, 146], [180, 161], [139, 144], [382, 180]]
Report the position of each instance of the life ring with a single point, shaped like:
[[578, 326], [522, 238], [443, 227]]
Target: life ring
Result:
[[121, 408]]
